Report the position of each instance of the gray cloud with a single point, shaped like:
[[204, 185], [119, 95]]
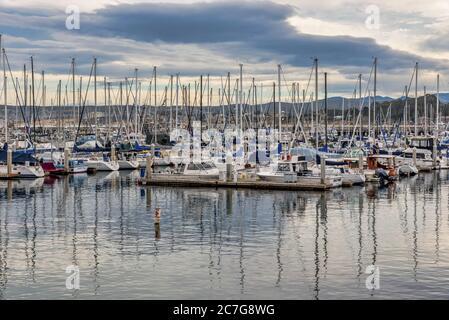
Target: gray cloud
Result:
[[192, 39], [437, 43], [241, 28]]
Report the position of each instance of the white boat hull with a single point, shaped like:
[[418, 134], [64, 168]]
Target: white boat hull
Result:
[[407, 170], [100, 165], [353, 178], [128, 164], [30, 172], [333, 181]]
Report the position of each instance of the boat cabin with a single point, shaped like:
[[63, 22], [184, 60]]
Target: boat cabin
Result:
[[421, 154], [380, 161], [426, 143], [293, 163]]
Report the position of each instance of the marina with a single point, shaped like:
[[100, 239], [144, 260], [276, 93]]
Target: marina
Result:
[[151, 164]]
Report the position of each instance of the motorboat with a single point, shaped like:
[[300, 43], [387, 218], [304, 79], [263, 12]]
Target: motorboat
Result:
[[195, 170], [294, 169], [381, 168], [53, 163], [423, 161]]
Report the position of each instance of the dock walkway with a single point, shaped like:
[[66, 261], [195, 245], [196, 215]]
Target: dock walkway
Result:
[[179, 181]]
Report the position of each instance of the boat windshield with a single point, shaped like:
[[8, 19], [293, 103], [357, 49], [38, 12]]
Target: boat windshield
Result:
[[284, 167], [207, 165]]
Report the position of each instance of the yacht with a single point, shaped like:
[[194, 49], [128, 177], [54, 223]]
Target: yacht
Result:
[[196, 170], [24, 166], [424, 160], [295, 169]]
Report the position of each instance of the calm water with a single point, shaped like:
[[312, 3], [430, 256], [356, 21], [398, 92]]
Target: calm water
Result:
[[223, 244]]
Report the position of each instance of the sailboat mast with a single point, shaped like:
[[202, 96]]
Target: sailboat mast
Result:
[[155, 103], [406, 110], [208, 101], [201, 110], [109, 110], [369, 114], [361, 106], [73, 91], [33, 99], [438, 106], [171, 103], [425, 112], [342, 116], [376, 123], [229, 94], [316, 102], [5, 93], [136, 106], [416, 99], [95, 98], [325, 110], [177, 101], [121, 106], [105, 95], [59, 107], [279, 104], [241, 97], [80, 105], [274, 105]]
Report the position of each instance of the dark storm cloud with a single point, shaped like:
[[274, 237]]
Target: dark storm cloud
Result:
[[190, 23], [249, 28]]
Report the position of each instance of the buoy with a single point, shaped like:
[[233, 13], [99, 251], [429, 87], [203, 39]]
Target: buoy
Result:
[[157, 216]]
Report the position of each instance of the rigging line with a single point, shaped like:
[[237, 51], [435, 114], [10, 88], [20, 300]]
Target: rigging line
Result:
[[27, 125], [361, 103], [84, 102], [305, 94]]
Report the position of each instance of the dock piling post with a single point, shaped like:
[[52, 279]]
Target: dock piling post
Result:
[[157, 216], [361, 162], [66, 161], [9, 162], [149, 169], [323, 170], [434, 153], [113, 153], [229, 169], [414, 156]]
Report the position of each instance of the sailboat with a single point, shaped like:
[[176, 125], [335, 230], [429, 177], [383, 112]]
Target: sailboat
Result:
[[24, 166]]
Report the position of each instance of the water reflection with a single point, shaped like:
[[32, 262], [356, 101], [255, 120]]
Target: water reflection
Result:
[[221, 243]]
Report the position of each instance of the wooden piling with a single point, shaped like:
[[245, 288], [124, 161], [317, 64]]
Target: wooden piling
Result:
[[9, 162], [414, 157], [323, 170], [113, 153], [66, 161], [361, 162], [149, 167]]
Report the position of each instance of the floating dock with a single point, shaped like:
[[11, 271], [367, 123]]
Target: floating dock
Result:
[[179, 181]]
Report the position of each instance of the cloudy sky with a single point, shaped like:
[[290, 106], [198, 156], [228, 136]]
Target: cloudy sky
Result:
[[213, 37]]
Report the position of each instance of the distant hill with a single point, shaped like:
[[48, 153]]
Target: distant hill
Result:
[[332, 103], [444, 97]]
